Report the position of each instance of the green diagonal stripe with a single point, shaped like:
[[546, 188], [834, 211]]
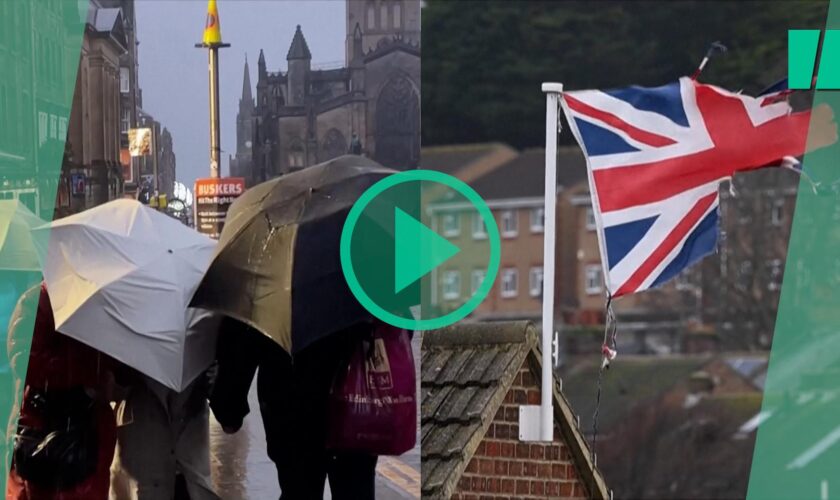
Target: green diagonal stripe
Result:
[[40, 43], [797, 452]]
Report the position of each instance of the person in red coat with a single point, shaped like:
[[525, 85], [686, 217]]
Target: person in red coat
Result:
[[61, 373]]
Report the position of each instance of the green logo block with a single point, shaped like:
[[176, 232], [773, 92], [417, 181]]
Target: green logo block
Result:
[[420, 250]]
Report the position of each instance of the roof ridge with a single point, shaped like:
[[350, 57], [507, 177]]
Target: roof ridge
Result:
[[508, 332], [470, 146]]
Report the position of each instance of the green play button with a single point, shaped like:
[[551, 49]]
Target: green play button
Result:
[[420, 238], [417, 250]]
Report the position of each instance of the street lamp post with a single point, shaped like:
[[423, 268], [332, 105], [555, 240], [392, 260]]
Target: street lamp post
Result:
[[212, 41]]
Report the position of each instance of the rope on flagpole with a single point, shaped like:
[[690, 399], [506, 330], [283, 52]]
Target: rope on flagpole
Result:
[[608, 354], [792, 164]]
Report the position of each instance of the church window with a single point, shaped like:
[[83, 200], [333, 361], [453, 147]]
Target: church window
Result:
[[296, 156], [397, 120], [383, 15], [371, 16], [397, 15]]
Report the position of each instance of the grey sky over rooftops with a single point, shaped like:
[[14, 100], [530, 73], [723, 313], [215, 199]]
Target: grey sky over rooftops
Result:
[[173, 73]]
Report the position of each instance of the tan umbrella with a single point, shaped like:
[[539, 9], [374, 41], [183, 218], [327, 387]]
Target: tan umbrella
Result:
[[277, 266]]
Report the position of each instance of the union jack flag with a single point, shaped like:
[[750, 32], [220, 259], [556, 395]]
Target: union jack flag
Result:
[[656, 158]]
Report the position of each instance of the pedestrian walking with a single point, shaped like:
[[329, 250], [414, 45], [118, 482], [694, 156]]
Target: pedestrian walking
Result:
[[163, 449], [293, 397], [65, 436]]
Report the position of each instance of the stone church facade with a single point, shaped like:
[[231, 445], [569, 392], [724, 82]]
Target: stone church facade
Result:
[[370, 106]]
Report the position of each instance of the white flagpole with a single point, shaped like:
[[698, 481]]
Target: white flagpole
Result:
[[552, 94]]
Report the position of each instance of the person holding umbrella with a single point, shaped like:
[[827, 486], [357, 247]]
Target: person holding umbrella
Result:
[[290, 316], [162, 440], [131, 303], [65, 436], [293, 397]]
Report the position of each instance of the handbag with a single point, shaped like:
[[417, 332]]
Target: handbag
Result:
[[63, 451], [373, 402]]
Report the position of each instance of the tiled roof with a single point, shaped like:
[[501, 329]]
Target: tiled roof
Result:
[[524, 176], [466, 372], [456, 159]]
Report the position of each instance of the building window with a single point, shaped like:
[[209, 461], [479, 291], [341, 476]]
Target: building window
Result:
[[590, 219], [537, 220], [296, 158], [397, 15], [510, 228], [383, 15], [479, 232], [774, 268], [451, 285], [593, 280], [476, 279], [510, 283], [451, 225], [125, 120], [535, 281], [371, 16], [125, 84], [777, 213]]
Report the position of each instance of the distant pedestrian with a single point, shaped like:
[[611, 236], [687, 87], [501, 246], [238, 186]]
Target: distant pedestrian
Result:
[[293, 400], [163, 449], [64, 440]]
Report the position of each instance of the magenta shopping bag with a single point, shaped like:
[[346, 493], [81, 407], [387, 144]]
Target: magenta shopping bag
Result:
[[373, 404]]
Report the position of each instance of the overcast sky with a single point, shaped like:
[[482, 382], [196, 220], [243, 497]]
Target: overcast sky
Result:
[[173, 73]]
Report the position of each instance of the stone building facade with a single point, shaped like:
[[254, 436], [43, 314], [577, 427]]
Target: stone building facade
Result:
[[130, 93], [370, 106], [92, 150]]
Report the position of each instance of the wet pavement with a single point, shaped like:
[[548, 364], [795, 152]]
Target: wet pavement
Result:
[[242, 470]]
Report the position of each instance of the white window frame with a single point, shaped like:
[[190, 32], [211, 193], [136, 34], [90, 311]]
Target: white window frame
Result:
[[476, 278], [451, 284], [593, 279], [591, 224], [125, 120], [535, 281], [451, 223], [479, 231], [509, 273], [510, 216], [125, 81], [538, 220]]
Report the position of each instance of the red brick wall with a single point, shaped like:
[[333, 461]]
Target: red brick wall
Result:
[[504, 467]]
